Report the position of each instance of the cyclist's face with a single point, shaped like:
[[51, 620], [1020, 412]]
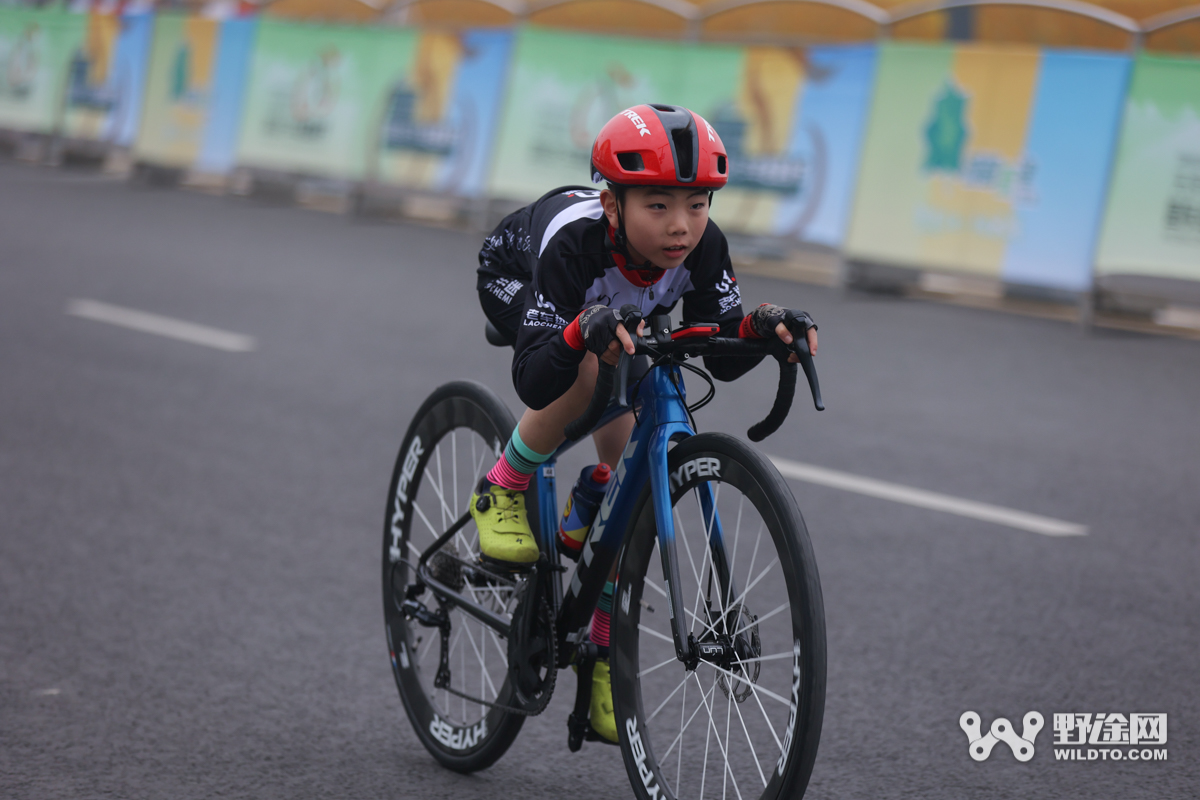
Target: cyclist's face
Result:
[[662, 225]]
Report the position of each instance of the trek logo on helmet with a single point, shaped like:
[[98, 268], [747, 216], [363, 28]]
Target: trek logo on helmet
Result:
[[641, 124]]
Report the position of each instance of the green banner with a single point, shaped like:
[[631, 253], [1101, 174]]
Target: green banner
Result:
[[1152, 225], [564, 87], [791, 119], [317, 96], [36, 48]]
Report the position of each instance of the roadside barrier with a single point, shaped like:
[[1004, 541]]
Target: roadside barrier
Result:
[[1066, 175]]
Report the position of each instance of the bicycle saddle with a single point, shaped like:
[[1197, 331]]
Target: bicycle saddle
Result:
[[495, 337]]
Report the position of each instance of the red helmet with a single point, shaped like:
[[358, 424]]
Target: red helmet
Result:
[[656, 145]]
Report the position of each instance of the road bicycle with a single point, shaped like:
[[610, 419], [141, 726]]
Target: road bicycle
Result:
[[717, 650]]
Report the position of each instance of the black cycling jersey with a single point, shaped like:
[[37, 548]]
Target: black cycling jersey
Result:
[[556, 257]]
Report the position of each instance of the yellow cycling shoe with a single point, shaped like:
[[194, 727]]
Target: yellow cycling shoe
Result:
[[601, 714], [504, 534]]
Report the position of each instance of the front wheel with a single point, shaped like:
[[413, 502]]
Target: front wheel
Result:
[[743, 721]]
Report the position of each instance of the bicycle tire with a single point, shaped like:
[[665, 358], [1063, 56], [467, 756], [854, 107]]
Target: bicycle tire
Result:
[[781, 683], [462, 743]]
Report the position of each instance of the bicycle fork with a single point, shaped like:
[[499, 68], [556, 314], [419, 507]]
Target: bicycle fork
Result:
[[687, 649]]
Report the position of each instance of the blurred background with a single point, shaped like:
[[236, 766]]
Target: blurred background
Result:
[[1041, 153], [237, 250]]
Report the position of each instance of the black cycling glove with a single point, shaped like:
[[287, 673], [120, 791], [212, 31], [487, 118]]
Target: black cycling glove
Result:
[[598, 325], [762, 321]]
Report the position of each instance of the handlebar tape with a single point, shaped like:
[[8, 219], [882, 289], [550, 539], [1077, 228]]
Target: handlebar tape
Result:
[[783, 404], [579, 428]]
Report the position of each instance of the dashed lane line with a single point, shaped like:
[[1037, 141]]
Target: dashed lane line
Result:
[[897, 493], [158, 325]]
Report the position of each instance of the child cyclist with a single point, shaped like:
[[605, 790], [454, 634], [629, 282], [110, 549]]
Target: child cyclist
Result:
[[551, 279]]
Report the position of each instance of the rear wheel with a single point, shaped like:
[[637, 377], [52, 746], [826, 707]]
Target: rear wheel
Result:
[[745, 720], [454, 439]]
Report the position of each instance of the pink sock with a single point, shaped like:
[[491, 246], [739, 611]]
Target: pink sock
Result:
[[600, 620], [504, 475]]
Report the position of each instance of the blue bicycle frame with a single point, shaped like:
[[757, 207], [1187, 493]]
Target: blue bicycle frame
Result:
[[662, 418]]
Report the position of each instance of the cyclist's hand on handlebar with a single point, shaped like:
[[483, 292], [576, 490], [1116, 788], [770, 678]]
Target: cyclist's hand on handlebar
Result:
[[781, 330], [623, 341], [603, 332], [786, 323]]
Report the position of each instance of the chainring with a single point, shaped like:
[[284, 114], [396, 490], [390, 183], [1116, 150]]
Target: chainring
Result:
[[532, 661]]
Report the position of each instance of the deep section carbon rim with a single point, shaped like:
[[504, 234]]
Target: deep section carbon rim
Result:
[[744, 723], [452, 442]]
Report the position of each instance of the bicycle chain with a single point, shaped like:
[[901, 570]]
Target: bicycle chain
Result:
[[547, 692]]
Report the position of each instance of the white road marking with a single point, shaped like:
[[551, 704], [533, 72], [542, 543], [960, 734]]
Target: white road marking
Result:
[[162, 326], [48, 692], [920, 498]]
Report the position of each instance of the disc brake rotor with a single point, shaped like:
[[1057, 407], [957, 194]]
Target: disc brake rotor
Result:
[[741, 628]]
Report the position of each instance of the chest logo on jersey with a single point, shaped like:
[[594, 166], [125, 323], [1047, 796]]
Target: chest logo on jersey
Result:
[[638, 122]]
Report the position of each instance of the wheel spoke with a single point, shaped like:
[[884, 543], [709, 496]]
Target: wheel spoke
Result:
[[703, 564], [655, 587], [772, 657], [681, 684], [767, 719], [713, 728], [437, 489], [659, 665], [432, 531], [763, 618], [482, 662], [754, 687], [737, 530], [684, 727], [753, 753], [656, 634], [728, 769], [441, 487]]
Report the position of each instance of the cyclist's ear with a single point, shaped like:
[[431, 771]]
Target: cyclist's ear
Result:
[[612, 207]]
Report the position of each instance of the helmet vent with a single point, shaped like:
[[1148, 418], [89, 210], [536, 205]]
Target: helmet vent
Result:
[[631, 162], [683, 139], [720, 165]]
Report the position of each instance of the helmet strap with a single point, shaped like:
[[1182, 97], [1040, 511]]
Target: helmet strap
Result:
[[621, 241]]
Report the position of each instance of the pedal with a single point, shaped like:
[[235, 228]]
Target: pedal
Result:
[[510, 567], [592, 736]]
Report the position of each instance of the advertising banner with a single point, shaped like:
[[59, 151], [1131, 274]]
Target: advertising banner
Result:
[[317, 96], [106, 78], [441, 114], [791, 119], [194, 92], [36, 48], [1152, 225], [988, 160]]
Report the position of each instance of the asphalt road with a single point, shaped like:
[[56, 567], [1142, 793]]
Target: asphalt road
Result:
[[189, 538]]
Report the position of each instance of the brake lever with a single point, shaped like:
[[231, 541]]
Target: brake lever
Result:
[[623, 376], [799, 346], [631, 317]]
